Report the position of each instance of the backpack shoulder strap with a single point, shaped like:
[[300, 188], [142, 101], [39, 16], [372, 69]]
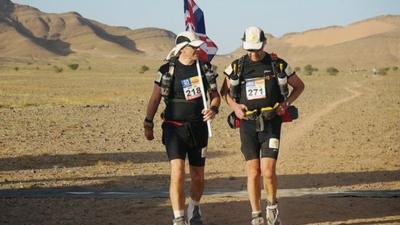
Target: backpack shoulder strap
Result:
[[239, 69], [171, 64]]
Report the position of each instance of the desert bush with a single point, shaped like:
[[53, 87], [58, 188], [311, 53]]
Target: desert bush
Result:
[[297, 69], [16, 68], [382, 71], [73, 66], [58, 69], [332, 71], [309, 69], [395, 68], [89, 68], [143, 69]]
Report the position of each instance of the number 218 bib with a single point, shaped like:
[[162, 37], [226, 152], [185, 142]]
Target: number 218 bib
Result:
[[255, 88], [191, 88]]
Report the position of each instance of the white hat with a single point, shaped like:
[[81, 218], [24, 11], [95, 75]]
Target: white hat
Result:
[[183, 39], [253, 38]]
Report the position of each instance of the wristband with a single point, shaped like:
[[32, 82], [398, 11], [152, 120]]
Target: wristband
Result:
[[148, 120], [148, 123], [214, 109]]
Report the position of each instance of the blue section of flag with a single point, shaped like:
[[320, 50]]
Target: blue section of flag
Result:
[[194, 21]]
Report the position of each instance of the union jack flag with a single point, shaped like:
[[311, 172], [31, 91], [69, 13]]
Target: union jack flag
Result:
[[194, 21]]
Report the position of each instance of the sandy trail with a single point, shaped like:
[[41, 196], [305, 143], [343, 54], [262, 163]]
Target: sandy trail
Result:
[[306, 124]]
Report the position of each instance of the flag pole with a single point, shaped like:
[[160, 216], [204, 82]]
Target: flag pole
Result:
[[203, 95]]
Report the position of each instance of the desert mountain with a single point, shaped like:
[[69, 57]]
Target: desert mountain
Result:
[[362, 45], [27, 32]]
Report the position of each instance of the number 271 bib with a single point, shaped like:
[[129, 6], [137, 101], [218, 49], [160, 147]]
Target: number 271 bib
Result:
[[191, 88], [255, 88]]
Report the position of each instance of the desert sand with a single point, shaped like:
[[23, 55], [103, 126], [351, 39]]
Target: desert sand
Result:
[[82, 131]]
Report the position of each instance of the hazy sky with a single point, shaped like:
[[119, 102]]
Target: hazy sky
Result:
[[225, 19]]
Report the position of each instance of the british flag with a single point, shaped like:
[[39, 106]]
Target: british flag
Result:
[[194, 21]]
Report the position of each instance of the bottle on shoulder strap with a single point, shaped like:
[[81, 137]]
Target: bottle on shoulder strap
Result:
[[211, 77], [282, 81], [167, 79], [234, 79]]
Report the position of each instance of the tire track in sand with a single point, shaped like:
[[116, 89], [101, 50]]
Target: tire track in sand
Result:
[[306, 124]]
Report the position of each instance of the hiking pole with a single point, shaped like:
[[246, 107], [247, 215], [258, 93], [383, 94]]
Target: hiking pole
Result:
[[203, 96]]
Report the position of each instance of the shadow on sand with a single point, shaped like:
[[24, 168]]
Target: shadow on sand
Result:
[[42, 209]]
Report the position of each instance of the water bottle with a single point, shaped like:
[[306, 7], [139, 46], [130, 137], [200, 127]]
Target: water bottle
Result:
[[211, 79], [235, 87], [166, 80], [282, 82]]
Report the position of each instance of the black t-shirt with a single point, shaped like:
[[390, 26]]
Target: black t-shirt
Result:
[[185, 102], [259, 87]]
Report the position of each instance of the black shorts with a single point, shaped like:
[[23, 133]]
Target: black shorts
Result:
[[190, 139], [263, 144]]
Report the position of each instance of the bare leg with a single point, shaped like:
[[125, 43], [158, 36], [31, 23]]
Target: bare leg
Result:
[[176, 188], [253, 184], [197, 182], [268, 170]]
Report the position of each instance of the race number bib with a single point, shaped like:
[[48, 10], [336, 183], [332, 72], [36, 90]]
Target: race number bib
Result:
[[191, 88], [255, 88]]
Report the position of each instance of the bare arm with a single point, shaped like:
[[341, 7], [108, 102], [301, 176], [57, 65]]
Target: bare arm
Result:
[[215, 101], [298, 87], [152, 107]]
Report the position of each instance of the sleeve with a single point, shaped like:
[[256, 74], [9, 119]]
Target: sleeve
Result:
[[162, 70], [230, 69], [287, 68]]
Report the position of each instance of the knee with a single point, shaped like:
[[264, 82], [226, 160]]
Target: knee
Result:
[[268, 173], [197, 176], [254, 172], [177, 175]]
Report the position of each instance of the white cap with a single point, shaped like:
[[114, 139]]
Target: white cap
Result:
[[253, 38], [183, 39]]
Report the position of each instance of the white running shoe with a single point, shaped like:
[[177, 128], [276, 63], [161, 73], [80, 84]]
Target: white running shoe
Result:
[[273, 217], [179, 221], [194, 215], [257, 220]]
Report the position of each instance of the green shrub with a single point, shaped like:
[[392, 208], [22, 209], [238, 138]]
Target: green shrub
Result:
[[395, 68], [143, 69], [382, 71], [308, 69], [73, 66], [332, 71]]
